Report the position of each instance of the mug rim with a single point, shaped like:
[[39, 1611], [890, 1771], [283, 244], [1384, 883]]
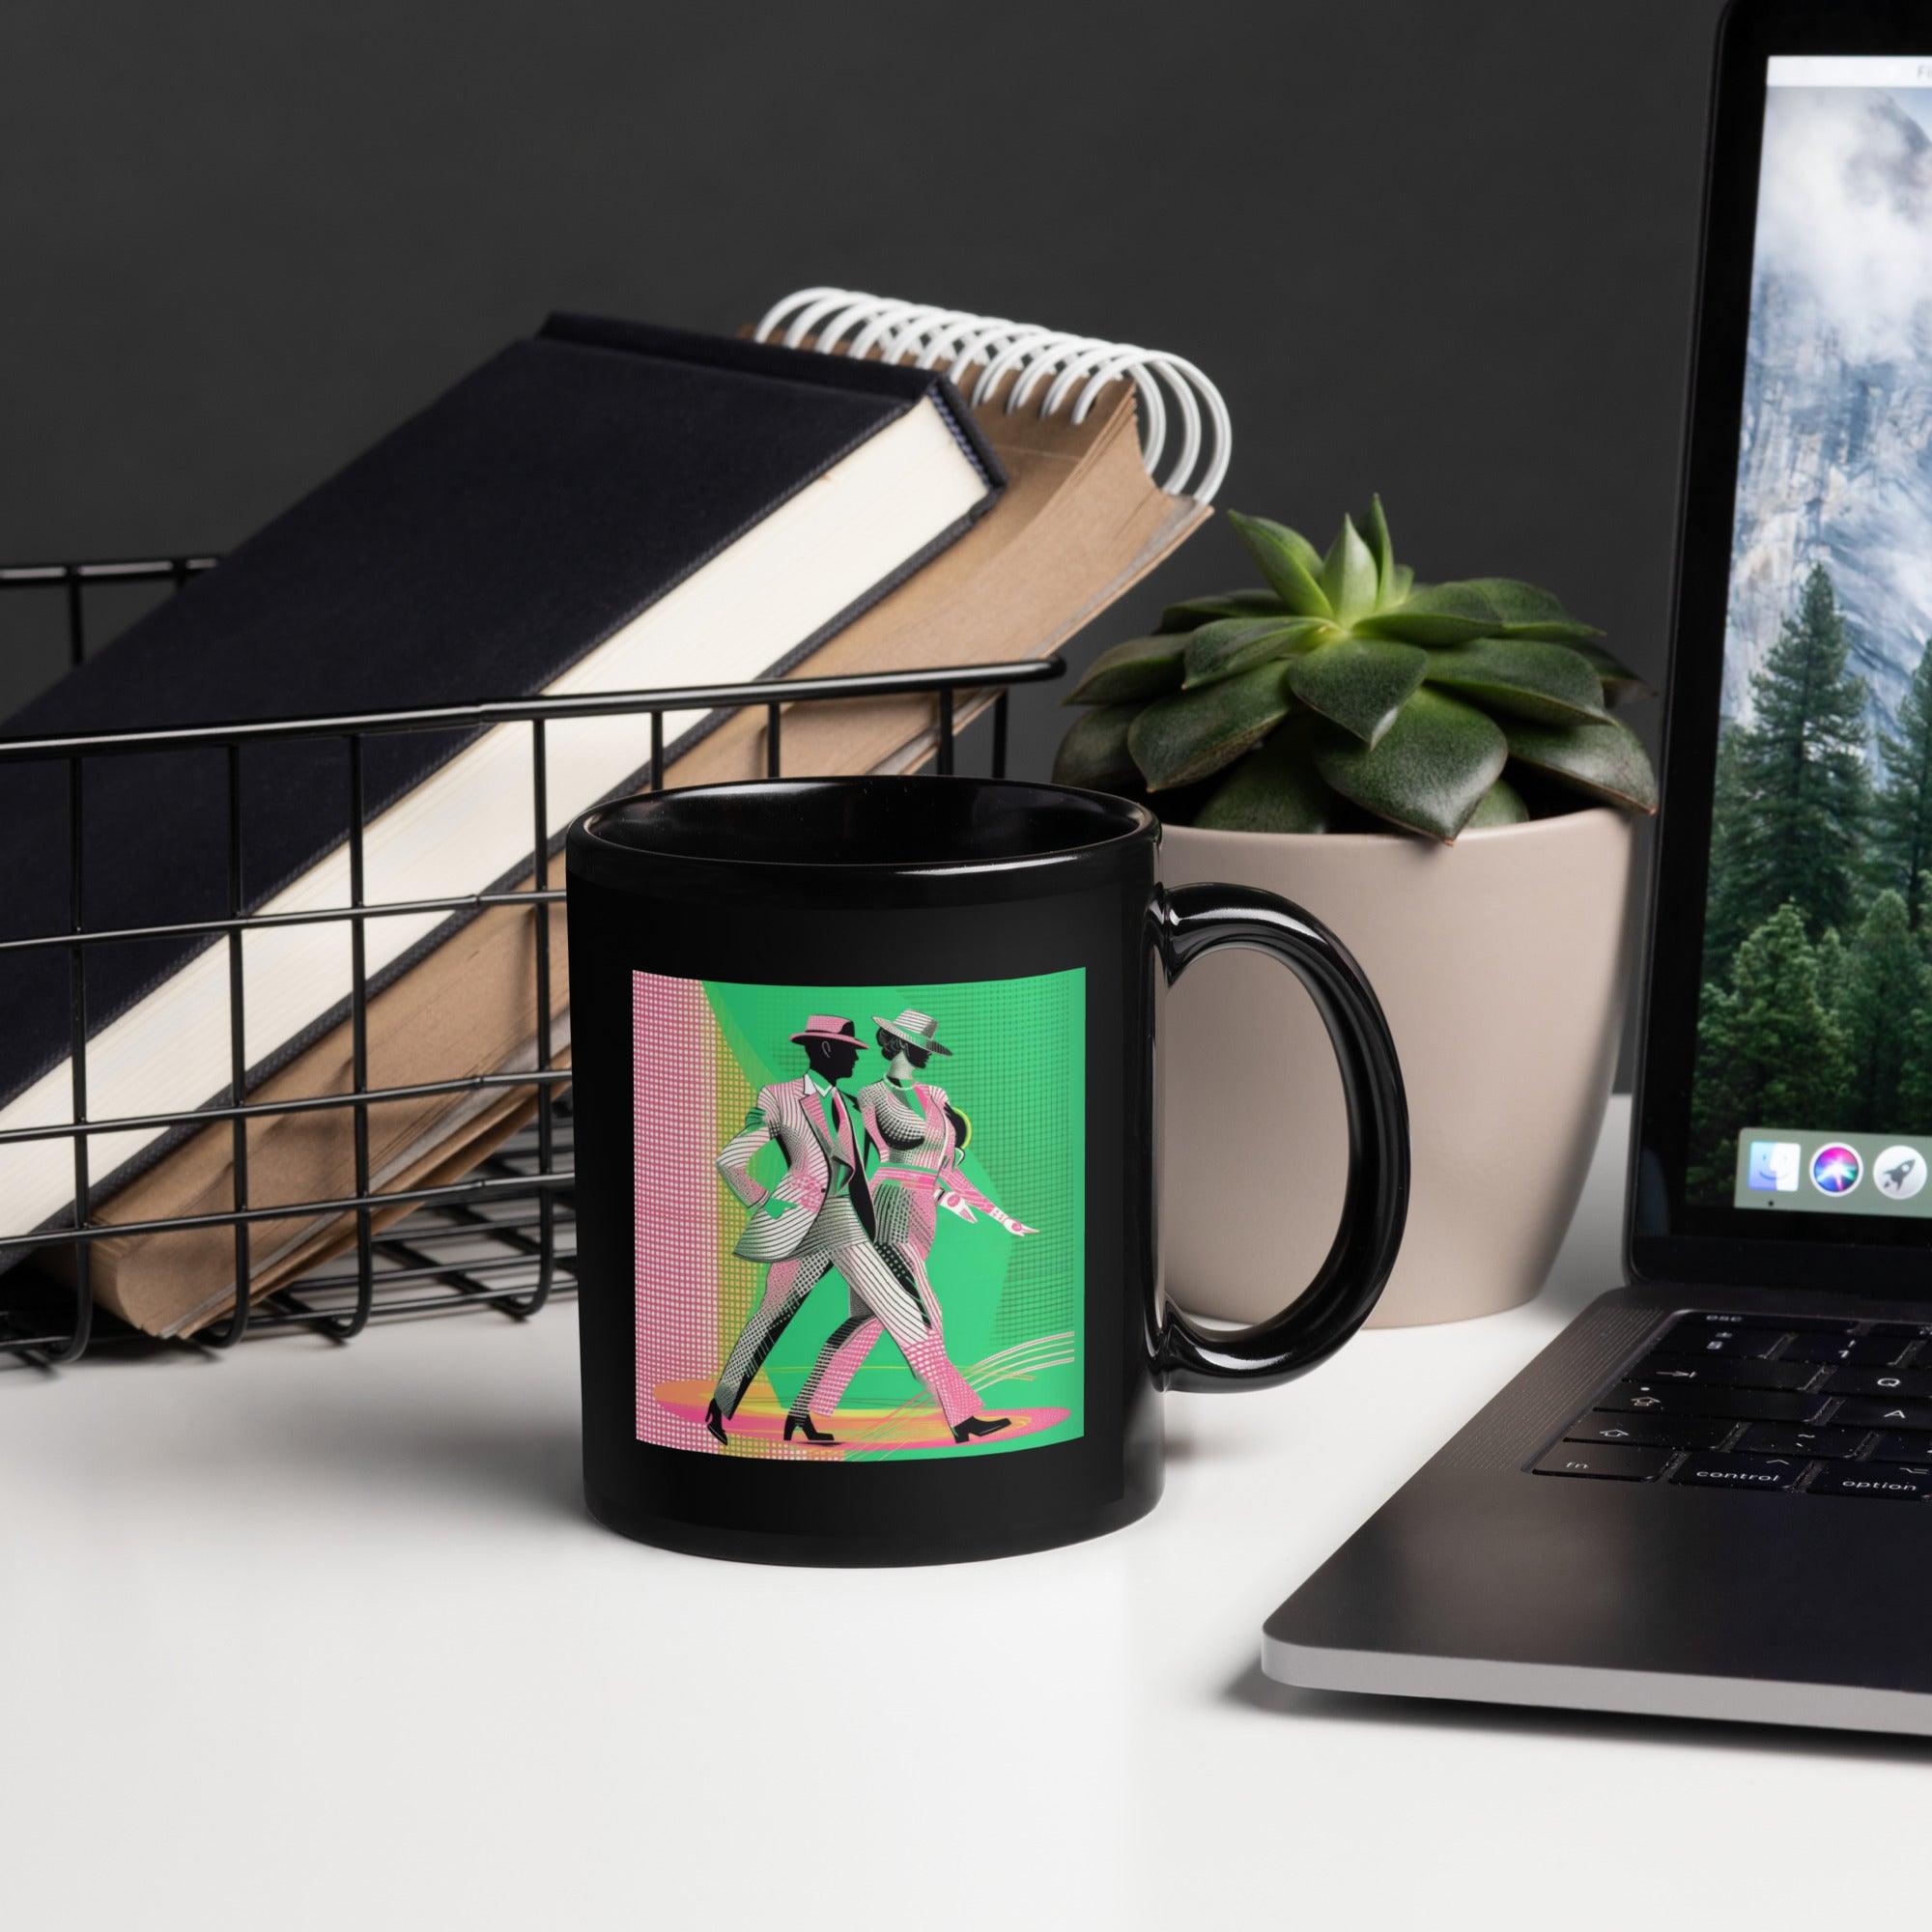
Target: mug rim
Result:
[[588, 838]]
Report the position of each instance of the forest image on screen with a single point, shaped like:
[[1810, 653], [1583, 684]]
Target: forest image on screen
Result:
[[1816, 1003]]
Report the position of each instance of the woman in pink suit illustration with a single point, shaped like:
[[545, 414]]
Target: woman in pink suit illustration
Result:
[[915, 1135]]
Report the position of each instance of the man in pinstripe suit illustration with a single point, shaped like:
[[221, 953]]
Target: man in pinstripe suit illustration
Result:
[[819, 1218]]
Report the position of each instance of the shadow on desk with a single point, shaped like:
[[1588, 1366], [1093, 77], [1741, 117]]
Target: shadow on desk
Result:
[[470, 1460], [1253, 1689], [337, 1441]]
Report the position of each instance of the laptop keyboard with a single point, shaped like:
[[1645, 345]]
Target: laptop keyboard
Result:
[[1745, 1401]]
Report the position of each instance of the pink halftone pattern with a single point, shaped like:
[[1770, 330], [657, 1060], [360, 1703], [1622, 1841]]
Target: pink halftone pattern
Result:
[[675, 1120]]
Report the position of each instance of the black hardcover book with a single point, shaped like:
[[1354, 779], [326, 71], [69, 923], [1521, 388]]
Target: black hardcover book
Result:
[[603, 506]]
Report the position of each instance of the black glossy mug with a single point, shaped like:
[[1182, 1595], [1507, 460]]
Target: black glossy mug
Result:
[[866, 1138]]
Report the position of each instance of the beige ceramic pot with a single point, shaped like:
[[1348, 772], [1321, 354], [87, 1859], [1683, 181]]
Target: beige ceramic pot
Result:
[[1499, 963]]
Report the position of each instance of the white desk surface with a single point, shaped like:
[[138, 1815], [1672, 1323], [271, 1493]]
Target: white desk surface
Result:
[[306, 1636]]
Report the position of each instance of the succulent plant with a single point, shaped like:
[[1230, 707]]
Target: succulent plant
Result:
[[1345, 695]]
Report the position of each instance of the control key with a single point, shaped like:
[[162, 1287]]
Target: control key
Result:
[[1742, 1472]]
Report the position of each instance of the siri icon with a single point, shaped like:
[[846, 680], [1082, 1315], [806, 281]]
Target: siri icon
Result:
[[1835, 1169]]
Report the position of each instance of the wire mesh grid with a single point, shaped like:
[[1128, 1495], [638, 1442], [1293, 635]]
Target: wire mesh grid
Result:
[[501, 1238]]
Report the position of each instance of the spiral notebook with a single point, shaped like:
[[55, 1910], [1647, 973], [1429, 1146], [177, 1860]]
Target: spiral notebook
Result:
[[1111, 455]]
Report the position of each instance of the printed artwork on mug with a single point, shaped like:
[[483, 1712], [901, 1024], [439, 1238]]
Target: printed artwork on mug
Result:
[[859, 1216]]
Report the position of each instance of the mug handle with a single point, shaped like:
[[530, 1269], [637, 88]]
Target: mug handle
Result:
[[1185, 924]]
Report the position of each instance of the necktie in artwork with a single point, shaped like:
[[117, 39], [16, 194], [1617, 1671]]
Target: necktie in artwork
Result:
[[839, 1124], [830, 1107]]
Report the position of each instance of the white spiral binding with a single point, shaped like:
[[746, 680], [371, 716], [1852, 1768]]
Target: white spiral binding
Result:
[[925, 335]]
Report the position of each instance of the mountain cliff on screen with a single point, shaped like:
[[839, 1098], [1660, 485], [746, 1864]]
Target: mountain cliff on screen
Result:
[[1835, 464]]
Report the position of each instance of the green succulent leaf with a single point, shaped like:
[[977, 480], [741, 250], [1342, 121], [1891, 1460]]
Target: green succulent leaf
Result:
[[1279, 535], [1551, 683], [1530, 612], [1191, 612], [1290, 563], [1274, 788], [1140, 668], [1348, 572], [1403, 700], [1429, 772], [1094, 750], [1382, 545], [1444, 614], [1607, 759], [1195, 733], [1620, 683], [1502, 805], [1359, 683], [1234, 644]]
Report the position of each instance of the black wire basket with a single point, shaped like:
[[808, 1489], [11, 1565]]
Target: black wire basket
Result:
[[501, 1237]]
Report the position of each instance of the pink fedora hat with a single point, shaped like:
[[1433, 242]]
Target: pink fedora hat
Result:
[[827, 1026]]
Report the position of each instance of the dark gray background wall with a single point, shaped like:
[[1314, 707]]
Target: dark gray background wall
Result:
[[1439, 248], [1442, 248]]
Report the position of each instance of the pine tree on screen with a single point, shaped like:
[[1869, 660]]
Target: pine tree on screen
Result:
[[1726, 919], [1901, 827], [1884, 990], [1771, 1053], [1915, 1087], [1830, 954], [1795, 795]]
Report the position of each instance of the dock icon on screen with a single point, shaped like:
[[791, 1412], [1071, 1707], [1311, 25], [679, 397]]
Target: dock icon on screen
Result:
[[1774, 1167]]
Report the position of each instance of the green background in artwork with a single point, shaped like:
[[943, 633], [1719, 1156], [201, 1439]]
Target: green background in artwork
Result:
[[1017, 1071]]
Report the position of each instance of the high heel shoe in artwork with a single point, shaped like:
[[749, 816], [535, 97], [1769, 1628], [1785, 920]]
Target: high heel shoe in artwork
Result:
[[980, 1425]]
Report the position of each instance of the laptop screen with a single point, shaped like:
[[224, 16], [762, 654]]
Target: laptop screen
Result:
[[1811, 1084]]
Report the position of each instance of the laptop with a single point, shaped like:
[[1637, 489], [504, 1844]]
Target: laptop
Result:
[[1711, 1497]]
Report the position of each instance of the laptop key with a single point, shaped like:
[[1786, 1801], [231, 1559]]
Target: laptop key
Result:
[[1660, 1398], [1777, 1439], [1861, 1350], [1742, 1472], [1881, 1412], [1611, 1460], [1910, 1383], [1723, 1372], [1872, 1479], [1687, 1339], [1669, 1431], [1896, 1448]]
